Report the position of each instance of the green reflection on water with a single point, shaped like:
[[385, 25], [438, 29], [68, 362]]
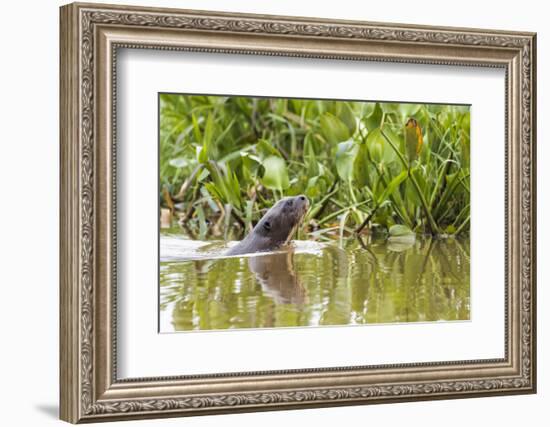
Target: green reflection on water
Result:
[[379, 283]]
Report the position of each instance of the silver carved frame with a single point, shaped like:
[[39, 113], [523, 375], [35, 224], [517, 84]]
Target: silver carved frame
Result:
[[90, 36]]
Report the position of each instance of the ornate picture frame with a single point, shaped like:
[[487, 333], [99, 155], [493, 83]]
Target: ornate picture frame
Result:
[[90, 37]]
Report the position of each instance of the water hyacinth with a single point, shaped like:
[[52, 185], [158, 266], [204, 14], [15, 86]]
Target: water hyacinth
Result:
[[365, 166]]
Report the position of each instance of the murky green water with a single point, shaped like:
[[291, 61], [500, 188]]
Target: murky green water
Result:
[[314, 284]]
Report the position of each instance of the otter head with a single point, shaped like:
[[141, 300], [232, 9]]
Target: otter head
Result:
[[281, 221]]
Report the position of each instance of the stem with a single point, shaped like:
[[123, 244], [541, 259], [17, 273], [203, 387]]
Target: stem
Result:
[[433, 224], [324, 202], [335, 214], [366, 221], [466, 221], [187, 183]]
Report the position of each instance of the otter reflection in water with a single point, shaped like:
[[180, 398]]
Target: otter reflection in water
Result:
[[275, 273]]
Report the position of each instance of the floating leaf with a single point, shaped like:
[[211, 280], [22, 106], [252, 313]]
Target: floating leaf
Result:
[[400, 230]]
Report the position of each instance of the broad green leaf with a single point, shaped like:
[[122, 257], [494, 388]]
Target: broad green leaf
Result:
[[333, 129], [374, 120], [347, 116], [408, 110], [400, 230], [367, 109], [276, 175], [249, 166], [390, 107], [266, 149], [401, 238], [345, 156], [375, 144]]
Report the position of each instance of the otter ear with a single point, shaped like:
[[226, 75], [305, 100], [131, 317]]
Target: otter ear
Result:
[[267, 225]]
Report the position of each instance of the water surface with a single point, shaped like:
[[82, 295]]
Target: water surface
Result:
[[313, 284]]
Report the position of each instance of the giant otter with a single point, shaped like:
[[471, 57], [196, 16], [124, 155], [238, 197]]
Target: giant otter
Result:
[[276, 227]]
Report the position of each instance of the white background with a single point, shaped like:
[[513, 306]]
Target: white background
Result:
[[141, 347], [29, 171]]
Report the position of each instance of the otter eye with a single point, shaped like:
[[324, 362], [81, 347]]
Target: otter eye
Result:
[[267, 225]]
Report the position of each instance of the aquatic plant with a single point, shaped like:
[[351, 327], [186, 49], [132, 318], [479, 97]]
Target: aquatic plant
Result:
[[365, 166]]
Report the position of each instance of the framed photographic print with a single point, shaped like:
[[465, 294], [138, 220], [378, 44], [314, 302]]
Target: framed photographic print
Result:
[[265, 212]]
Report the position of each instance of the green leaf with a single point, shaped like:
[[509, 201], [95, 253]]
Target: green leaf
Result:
[[360, 166], [205, 153], [347, 116], [375, 144], [312, 189], [392, 186], [367, 109], [208, 131], [400, 230], [345, 158], [333, 129], [204, 173], [276, 175], [202, 155], [265, 149], [374, 120], [224, 185], [196, 128], [379, 150], [179, 162], [249, 166], [408, 110], [390, 107]]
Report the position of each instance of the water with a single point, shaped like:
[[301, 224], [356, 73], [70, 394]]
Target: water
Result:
[[313, 284]]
